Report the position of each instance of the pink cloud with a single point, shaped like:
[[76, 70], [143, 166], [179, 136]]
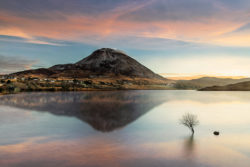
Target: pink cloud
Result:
[[98, 28]]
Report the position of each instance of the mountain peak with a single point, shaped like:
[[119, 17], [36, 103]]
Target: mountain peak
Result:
[[102, 63], [112, 62], [103, 54]]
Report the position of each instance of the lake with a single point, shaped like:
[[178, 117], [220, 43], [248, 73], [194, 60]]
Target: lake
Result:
[[124, 129]]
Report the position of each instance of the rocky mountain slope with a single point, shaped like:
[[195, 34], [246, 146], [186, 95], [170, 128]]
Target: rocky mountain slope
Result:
[[103, 63]]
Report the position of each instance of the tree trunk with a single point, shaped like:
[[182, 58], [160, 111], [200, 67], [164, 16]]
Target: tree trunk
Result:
[[192, 130]]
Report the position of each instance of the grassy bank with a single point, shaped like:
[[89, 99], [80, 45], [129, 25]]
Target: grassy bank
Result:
[[12, 87]]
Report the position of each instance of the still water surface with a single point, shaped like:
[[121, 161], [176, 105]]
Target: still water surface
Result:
[[124, 129]]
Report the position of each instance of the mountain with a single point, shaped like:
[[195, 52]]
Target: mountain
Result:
[[242, 86], [102, 63], [206, 82]]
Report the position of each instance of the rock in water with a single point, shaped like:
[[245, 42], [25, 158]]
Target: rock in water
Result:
[[216, 133]]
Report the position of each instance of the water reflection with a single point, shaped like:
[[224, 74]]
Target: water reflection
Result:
[[104, 111], [52, 129], [189, 145]]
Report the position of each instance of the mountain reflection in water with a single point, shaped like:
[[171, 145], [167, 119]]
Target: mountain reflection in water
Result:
[[104, 111], [52, 129]]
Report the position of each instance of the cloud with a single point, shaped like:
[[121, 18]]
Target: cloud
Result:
[[23, 38], [34, 9], [243, 28], [144, 43], [163, 10], [10, 64], [93, 22]]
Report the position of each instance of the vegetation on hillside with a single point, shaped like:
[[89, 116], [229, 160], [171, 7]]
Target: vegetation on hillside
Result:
[[206, 82], [242, 86], [36, 84]]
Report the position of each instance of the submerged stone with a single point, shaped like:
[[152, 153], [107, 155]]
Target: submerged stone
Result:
[[216, 133]]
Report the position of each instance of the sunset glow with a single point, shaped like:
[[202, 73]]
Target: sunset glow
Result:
[[58, 31]]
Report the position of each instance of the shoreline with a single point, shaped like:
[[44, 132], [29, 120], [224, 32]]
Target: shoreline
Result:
[[91, 89]]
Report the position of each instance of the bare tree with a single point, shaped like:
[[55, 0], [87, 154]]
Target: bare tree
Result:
[[190, 121]]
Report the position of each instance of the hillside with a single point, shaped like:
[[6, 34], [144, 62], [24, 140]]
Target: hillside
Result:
[[206, 82], [242, 86], [105, 68], [104, 63]]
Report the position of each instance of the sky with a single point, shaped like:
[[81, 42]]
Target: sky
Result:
[[171, 37]]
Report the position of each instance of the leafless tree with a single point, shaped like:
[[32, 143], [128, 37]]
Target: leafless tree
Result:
[[190, 121]]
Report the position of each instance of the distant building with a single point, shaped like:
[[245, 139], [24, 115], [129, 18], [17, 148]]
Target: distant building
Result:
[[23, 79], [10, 77], [3, 77]]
